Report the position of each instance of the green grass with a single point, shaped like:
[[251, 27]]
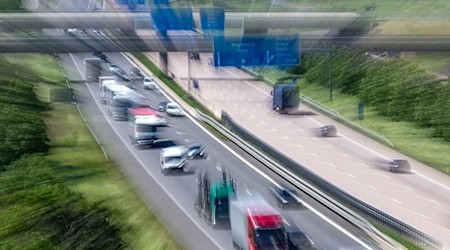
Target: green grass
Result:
[[11, 5], [85, 167], [438, 62], [405, 136], [171, 84], [407, 244]]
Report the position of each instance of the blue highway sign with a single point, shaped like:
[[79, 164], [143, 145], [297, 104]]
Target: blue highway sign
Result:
[[166, 18], [254, 50], [160, 1], [212, 19]]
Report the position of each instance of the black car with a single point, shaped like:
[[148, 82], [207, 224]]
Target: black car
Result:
[[136, 73], [328, 131], [162, 106], [195, 150], [195, 56], [286, 197], [399, 166], [297, 239]]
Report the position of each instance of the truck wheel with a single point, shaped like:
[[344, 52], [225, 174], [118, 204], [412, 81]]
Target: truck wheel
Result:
[[163, 171]]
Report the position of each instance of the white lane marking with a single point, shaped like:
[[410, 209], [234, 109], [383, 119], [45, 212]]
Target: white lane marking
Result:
[[252, 116], [346, 155], [148, 172], [435, 202], [324, 217], [274, 130], [328, 145], [351, 176], [188, 140], [179, 133], [372, 187], [364, 165], [244, 110], [331, 164], [385, 176], [287, 223], [264, 92], [424, 216], [263, 123], [289, 123], [208, 158], [286, 137], [301, 130], [219, 168], [316, 155]]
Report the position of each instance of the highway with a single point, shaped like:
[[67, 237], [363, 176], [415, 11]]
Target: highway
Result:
[[351, 161], [182, 188]]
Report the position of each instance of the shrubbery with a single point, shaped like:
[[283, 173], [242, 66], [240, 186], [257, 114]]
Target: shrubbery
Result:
[[396, 88], [38, 210]]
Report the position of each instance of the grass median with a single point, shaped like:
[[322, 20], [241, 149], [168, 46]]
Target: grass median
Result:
[[83, 164], [177, 90]]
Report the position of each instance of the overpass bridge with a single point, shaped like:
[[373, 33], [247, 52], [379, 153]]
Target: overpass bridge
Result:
[[251, 22]]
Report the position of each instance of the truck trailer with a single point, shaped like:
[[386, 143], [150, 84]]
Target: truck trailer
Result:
[[213, 199], [285, 96], [256, 225], [143, 124]]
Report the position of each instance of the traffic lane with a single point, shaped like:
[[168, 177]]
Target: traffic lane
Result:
[[311, 151], [424, 220], [169, 213], [200, 138], [353, 172], [173, 187], [177, 62]]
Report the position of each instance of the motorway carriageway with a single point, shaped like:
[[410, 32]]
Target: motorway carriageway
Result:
[[172, 197], [350, 161]]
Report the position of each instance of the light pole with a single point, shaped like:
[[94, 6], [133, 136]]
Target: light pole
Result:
[[330, 68], [189, 72]]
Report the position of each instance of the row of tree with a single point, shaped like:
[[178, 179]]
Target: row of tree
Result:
[[396, 88], [38, 210]]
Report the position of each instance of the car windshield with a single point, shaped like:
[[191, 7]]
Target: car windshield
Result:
[[172, 106], [145, 128], [269, 237], [173, 159]]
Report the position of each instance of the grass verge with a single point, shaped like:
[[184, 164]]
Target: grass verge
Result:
[[171, 84], [406, 137], [84, 166]]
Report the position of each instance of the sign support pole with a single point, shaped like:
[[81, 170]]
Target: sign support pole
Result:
[[189, 72]]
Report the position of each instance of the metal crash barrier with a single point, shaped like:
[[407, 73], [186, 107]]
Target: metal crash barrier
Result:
[[345, 205]]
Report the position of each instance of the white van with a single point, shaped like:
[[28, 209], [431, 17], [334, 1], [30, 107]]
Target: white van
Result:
[[173, 158]]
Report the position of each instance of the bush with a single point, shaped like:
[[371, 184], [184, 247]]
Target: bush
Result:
[[39, 211]]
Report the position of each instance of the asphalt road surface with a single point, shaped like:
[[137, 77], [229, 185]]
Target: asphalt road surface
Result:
[[173, 196], [351, 161]]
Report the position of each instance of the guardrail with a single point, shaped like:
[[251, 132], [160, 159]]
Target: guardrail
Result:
[[333, 114], [324, 192]]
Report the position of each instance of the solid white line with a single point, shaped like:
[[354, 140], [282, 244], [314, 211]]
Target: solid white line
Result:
[[266, 176], [359, 144], [150, 173], [127, 145]]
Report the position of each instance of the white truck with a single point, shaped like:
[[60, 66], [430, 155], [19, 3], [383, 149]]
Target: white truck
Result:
[[256, 225], [143, 124]]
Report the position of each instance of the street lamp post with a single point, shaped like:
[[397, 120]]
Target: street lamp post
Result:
[[330, 68]]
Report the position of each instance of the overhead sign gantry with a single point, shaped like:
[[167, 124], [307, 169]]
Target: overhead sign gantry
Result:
[[254, 50]]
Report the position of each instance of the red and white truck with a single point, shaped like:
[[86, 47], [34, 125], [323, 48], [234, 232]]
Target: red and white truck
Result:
[[143, 124], [256, 225]]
